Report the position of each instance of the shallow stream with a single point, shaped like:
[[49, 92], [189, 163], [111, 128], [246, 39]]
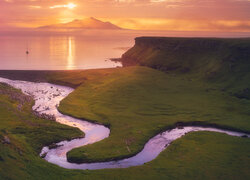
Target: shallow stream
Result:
[[47, 98]]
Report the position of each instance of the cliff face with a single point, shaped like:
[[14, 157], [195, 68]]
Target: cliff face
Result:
[[223, 61]]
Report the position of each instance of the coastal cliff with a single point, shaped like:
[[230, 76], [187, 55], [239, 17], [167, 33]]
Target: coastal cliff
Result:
[[223, 61]]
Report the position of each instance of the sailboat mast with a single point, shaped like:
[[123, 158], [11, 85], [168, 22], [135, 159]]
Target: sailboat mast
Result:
[[27, 48]]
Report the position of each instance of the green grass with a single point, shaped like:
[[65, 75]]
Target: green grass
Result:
[[203, 80], [27, 135], [225, 62], [199, 155], [195, 156], [138, 102]]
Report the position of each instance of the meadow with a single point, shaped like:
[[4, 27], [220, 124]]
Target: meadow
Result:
[[136, 103]]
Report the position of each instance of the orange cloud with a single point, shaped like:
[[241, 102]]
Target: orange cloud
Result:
[[183, 25], [206, 15], [69, 6]]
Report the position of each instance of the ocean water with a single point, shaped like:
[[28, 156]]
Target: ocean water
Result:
[[87, 49], [60, 52]]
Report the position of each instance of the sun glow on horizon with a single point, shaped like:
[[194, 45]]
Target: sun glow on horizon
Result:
[[69, 6], [170, 15]]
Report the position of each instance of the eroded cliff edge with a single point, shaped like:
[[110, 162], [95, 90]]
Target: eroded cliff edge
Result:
[[218, 60]]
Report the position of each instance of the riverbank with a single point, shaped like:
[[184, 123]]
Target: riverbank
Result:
[[109, 78], [139, 102], [22, 135]]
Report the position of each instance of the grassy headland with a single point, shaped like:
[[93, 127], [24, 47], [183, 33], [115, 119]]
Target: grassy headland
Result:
[[225, 62], [206, 80], [137, 102]]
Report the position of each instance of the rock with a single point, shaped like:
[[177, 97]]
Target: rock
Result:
[[54, 146], [244, 136], [20, 152], [180, 127], [6, 140], [43, 155], [44, 116]]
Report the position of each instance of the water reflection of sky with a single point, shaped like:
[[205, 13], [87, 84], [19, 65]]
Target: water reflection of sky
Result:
[[83, 50], [59, 52], [71, 51]]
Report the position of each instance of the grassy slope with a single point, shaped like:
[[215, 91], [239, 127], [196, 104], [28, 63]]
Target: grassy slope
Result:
[[71, 78], [138, 102], [198, 155], [27, 135], [221, 61], [201, 155]]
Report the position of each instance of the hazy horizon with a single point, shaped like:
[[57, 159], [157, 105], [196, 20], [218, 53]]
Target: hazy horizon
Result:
[[174, 15], [91, 33], [64, 43]]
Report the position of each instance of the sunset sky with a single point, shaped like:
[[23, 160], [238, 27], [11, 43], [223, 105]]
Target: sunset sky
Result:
[[201, 15]]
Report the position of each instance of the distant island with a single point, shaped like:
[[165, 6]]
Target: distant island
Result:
[[87, 23]]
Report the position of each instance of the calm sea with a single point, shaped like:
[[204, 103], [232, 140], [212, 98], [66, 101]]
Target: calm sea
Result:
[[83, 50], [60, 52]]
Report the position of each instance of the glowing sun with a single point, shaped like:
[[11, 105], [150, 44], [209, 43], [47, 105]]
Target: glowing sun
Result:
[[71, 5]]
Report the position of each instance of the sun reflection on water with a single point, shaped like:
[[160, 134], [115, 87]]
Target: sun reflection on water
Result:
[[71, 53]]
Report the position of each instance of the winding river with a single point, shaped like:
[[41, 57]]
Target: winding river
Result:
[[47, 98]]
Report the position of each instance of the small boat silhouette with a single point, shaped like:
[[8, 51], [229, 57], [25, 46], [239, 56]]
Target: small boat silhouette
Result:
[[27, 49]]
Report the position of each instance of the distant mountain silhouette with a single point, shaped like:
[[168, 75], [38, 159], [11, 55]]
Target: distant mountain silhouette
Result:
[[88, 23]]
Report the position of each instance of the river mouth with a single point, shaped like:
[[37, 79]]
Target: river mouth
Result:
[[47, 98]]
